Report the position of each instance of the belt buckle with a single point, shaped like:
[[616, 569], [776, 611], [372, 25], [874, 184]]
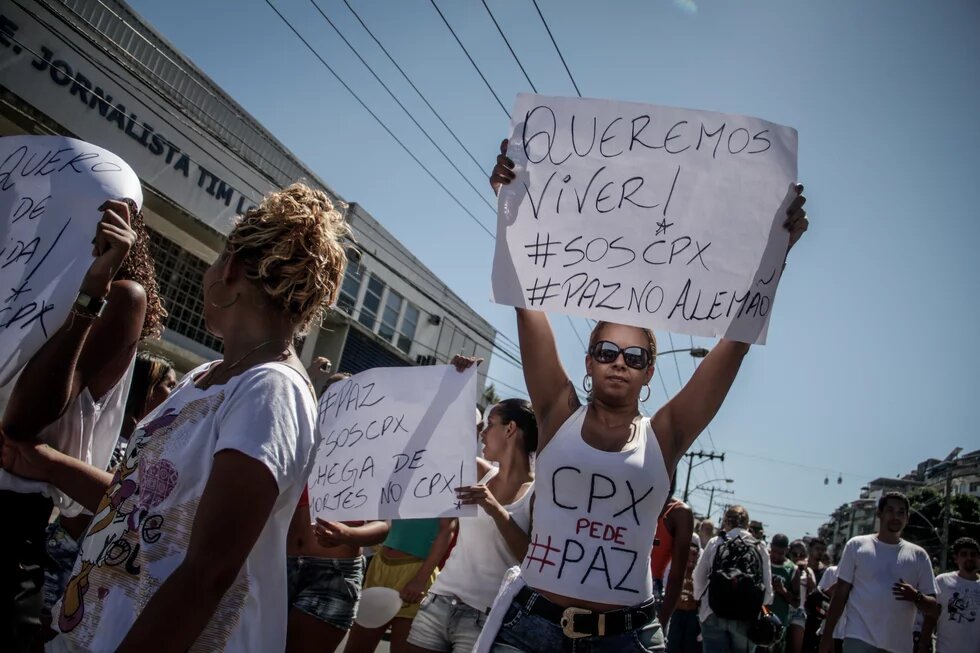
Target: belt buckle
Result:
[[568, 622]]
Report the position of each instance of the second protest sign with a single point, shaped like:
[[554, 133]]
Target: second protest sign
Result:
[[395, 444]]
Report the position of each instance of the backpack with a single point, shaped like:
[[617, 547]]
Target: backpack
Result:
[[735, 586]]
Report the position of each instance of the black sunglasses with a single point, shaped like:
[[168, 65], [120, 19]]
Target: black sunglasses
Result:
[[607, 352]]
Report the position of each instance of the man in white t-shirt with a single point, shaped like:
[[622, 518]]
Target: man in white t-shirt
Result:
[[958, 628], [882, 579]]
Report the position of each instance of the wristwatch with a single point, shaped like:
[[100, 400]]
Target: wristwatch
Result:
[[88, 306]]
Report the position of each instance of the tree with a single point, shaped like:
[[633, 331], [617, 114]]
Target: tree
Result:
[[925, 526], [489, 397]]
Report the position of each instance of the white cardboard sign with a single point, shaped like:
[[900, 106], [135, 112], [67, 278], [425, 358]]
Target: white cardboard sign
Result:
[[51, 188], [395, 444], [646, 215]]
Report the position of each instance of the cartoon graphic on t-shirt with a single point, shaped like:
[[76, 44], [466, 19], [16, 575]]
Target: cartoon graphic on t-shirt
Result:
[[960, 609], [123, 519]]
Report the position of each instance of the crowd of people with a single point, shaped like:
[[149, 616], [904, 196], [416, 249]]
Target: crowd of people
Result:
[[146, 513]]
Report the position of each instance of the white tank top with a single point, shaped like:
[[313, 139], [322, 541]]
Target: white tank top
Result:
[[480, 558], [595, 517], [88, 430]]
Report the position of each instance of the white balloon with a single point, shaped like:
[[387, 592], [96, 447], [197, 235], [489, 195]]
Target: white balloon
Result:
[[378, 606]]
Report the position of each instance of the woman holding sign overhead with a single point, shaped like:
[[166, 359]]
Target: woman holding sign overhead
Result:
[[187, 544], [72, 395], [603, 473]]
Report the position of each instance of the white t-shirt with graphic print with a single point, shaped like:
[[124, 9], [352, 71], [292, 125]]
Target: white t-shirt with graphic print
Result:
[[958, 628], [140, 533]]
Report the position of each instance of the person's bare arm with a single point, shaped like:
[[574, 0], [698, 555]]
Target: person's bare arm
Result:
[[84, 351], [682, 419], [552, 393], [514, 536], [842, 590], [334, 533], [236, 504], [416, 588], [680, 522], [82, 482]]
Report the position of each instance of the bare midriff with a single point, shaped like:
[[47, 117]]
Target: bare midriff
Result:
[[567, 602]]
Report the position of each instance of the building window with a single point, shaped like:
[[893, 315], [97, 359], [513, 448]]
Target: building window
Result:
[[409, 324], [372, 302], [389, 319], [180, 277], [351, 287]]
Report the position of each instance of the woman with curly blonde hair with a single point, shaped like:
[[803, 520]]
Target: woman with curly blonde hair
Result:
[[187, 545]]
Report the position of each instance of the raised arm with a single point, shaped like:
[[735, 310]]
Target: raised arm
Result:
[[551, 391], [682, 419], [85, 351]]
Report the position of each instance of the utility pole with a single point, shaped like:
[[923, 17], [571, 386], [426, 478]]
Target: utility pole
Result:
[[946, 510], [690, 463], [711, 498]]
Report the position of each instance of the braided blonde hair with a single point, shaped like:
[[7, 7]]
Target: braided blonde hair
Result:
[[291, 245]]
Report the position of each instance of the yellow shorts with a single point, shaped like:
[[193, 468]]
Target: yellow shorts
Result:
[[386, 571]]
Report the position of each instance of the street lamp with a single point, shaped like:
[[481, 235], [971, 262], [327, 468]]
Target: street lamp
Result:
[[714, 480], [695, 352]]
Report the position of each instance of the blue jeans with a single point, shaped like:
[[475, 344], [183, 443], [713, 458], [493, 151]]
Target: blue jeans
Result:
[[725, 636], [528, 633]]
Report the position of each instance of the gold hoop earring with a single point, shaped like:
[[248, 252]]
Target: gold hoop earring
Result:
[[645, 399], [587, 384], [217, 305]]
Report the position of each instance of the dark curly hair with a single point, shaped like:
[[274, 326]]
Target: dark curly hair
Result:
[[138, 266]]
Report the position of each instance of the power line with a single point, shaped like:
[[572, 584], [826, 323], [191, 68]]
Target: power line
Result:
[[466, 52], [378, 120], [572, 324], [823, 470], [798, 511], [402, 106], [414, 87], [557, 49], [504, 37], [677, 366]]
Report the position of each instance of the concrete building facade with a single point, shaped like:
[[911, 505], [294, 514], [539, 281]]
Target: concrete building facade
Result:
[[96, 71]]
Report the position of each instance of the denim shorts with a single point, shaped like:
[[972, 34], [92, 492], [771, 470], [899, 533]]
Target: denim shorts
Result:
[[797, 618], [62, 549], [326, 588], [530, 633], [444, 623]]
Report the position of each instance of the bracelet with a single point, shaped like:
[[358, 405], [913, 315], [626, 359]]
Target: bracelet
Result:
[[918, 598]]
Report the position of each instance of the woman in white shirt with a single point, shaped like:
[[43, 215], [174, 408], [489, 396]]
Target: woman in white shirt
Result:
[[602, 475], [71, 395], [454, 612], [187, 544]]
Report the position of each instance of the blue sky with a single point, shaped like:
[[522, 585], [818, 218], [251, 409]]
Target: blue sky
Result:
[[868, 368]]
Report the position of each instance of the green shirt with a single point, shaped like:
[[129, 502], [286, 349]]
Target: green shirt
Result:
[[780, 607], [412, 536]]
